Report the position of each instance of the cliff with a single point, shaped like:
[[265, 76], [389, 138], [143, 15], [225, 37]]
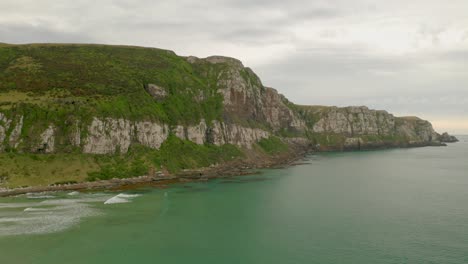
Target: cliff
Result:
[[363, 128], [145, 108]]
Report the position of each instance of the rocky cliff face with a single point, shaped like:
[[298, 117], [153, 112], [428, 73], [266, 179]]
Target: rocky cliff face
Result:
[[250, 112], [245, 98], [109, 136], [352, 121], [445, 137], [361, 127]]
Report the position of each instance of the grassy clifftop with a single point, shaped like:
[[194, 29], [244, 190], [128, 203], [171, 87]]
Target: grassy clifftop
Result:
[[105, 80], [67, 85], [148, 108]]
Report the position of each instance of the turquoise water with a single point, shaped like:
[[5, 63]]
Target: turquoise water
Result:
[[392, 206]]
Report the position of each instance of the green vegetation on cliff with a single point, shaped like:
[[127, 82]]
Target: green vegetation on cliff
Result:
[[88, 112], [24, 169], [61, 84], [273, 145], [174, 155], [99, 80]]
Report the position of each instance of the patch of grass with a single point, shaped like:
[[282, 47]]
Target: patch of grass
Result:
[[273, 145], [331, 140], [387, 138], [174, 155], [17, 169], [33, 170], [119, 168]]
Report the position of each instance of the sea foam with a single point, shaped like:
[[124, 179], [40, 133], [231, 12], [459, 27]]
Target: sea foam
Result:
[[47, 216], [121, 198]]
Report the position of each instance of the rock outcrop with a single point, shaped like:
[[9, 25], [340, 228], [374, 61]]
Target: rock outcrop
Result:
[[445, 137], [108, 136], [355, 121], [245, 97], [47, 140], [157, 92], [15, 135], [111, 135], [416, 130], [363, 128], [151, 134]]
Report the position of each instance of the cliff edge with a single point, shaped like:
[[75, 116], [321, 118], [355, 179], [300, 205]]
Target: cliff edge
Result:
[[123, 111]]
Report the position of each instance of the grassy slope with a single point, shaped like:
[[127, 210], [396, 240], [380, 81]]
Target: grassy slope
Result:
[[20, 169], [62, 83], [109, 81]]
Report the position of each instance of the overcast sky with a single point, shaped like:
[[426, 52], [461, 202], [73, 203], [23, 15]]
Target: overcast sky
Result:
[[407, 57]]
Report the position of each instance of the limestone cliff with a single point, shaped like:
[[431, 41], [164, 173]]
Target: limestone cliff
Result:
[[361, 127], [246, 100], [147, 95]]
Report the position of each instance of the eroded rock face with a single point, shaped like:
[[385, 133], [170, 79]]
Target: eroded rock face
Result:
[[355, 121], [366, 128], [108, 135], [47, 144], [4, 125], [416, 130], [246, 98], [445, 137], [277, 114], [219, 133], [15, 136], [179, 131], [197, 134], [75, 134], [353, 143], [243, 136], [151, 134]]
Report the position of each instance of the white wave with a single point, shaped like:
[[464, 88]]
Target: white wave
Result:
[[47, 216], [15, 205], [32, 209], [123, 195], [35, 196], [121, 198], [74, 193]]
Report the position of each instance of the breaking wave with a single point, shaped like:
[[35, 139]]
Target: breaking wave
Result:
[[47, 216], [121, 198]]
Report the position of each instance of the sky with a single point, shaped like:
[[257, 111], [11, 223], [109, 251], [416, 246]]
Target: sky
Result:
[[406, 57]]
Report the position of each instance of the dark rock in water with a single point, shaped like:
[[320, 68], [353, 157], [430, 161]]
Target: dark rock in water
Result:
[[445, 137]]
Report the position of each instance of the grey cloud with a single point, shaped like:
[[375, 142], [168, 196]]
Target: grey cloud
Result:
[[25, 33], [306, 49], [353, 77]]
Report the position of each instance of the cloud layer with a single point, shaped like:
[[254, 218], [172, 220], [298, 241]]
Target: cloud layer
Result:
[[409, 57]]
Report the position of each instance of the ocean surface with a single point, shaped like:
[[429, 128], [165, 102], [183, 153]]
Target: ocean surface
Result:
[[389, 206]]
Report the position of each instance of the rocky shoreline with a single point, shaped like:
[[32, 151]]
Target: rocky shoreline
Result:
[[233, 168], [245, 166]]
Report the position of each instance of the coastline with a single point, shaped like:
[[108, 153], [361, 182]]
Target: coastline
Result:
[[229, 169], [246, 166]]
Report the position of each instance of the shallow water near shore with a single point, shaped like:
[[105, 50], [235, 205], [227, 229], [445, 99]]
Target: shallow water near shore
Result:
[[391, 206]]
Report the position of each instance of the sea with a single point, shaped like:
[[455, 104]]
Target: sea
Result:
[[385, 206]]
